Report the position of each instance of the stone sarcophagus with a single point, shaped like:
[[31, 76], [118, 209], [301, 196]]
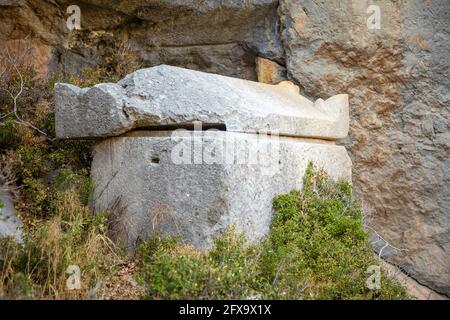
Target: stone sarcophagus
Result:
[[191, 154]]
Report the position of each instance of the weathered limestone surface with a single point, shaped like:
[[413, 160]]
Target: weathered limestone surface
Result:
[[137, 178], [414, 288], [222, 37], [166, 95], [399, 141], [396, 77], [10, 225]]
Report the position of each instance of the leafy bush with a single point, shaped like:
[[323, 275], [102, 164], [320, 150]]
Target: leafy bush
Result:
[[8, 135], [317, 249]]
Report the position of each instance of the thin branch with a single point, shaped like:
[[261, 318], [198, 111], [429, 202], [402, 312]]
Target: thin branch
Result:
[[367, 214], [6, 115], [387, 243]]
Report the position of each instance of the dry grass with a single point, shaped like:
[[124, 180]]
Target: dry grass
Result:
[[51, 183], [37, 269]]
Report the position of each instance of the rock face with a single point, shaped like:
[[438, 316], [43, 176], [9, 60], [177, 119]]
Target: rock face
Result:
[[396, 76], [398, 84], [166, 95], [10, 225], [197, 184], [221, 37], [414, 288]]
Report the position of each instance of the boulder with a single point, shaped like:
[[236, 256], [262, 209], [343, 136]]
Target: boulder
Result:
[[10, 224], [197, 184]]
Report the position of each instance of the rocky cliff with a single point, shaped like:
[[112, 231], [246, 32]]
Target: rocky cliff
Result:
[[396, 77]]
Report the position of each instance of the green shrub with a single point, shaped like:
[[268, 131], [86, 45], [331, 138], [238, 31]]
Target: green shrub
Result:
[[8, 134], [317, 249]]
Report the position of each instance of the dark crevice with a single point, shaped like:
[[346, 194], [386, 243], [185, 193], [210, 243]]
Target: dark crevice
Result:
[[187, 126]]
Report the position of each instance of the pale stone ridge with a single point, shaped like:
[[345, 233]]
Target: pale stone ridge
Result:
[[167, 95]]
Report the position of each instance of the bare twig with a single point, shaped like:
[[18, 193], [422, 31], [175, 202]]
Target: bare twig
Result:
[[367, 213], [14, 63], [6, 115]]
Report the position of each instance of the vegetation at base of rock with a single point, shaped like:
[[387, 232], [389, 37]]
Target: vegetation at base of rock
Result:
[[38, 267], [36, 158], [53, 186], [317, 249]]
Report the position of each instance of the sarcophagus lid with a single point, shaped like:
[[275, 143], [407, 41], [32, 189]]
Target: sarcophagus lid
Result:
[[176, 97]]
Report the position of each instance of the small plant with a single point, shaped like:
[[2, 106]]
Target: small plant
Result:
[[317, 249]]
